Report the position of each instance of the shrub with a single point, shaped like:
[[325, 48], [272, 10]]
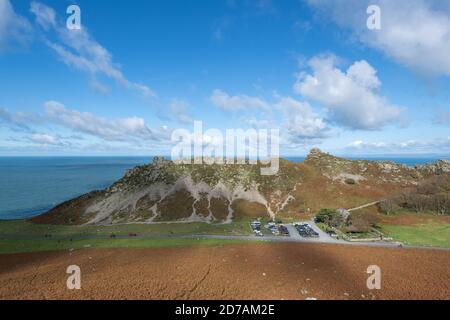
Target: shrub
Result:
[[350, 181], [362, 222], [330, 217], [388, 206]]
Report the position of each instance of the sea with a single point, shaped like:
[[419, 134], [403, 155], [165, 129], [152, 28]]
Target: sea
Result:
[[32, 185]]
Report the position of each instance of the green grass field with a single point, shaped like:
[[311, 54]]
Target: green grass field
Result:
[[24, 236], [16, 246], [426, 234], [27, 229]]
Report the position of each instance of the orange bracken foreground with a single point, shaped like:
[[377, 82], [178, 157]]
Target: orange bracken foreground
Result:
[[243, 271]]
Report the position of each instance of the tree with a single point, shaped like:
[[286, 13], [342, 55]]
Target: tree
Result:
[[330, 217], [441, 204], [388, 206]]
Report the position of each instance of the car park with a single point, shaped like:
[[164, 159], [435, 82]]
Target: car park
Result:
[[305, 230]]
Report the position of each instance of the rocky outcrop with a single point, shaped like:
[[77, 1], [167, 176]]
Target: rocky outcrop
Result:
[[440, 167], [357, 171], [164, 191]]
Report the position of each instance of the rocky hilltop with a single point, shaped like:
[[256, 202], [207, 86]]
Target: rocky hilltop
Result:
[[164, 191]]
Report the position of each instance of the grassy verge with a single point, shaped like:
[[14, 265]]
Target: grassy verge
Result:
[[16, 246], [24, 236], [425, 234], [26, 229]]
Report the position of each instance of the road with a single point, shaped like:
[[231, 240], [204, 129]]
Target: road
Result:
[[294, 236], [312, 240]]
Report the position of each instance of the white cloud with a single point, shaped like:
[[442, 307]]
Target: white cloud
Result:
[[18, 120], [122, 129], [45, 16], [300, 121], [13, 27], [223, 100], [79, 50], [440, 145], [350, 96], [45, 139], [364, 74], [414, 33], [129, 130], [360, 144]]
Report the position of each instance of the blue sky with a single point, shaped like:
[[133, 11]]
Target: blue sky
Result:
[[137, 70]]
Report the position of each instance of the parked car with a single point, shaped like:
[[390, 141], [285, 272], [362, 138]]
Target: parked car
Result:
[[283, 230], [258, 233], [306, 231], [255, 225]]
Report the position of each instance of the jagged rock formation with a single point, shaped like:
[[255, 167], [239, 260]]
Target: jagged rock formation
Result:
[[441, 166], [164, 191]]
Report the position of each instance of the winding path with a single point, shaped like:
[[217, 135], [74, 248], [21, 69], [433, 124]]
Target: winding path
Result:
[[364, 206]]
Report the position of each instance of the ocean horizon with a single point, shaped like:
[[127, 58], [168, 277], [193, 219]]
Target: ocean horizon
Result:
[[31, 185]]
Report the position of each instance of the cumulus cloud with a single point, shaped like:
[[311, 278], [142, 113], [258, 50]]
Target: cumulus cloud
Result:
[[414, 33], [13, 27], [78, 49], [301, 122], [350, 96], [227, 102]]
